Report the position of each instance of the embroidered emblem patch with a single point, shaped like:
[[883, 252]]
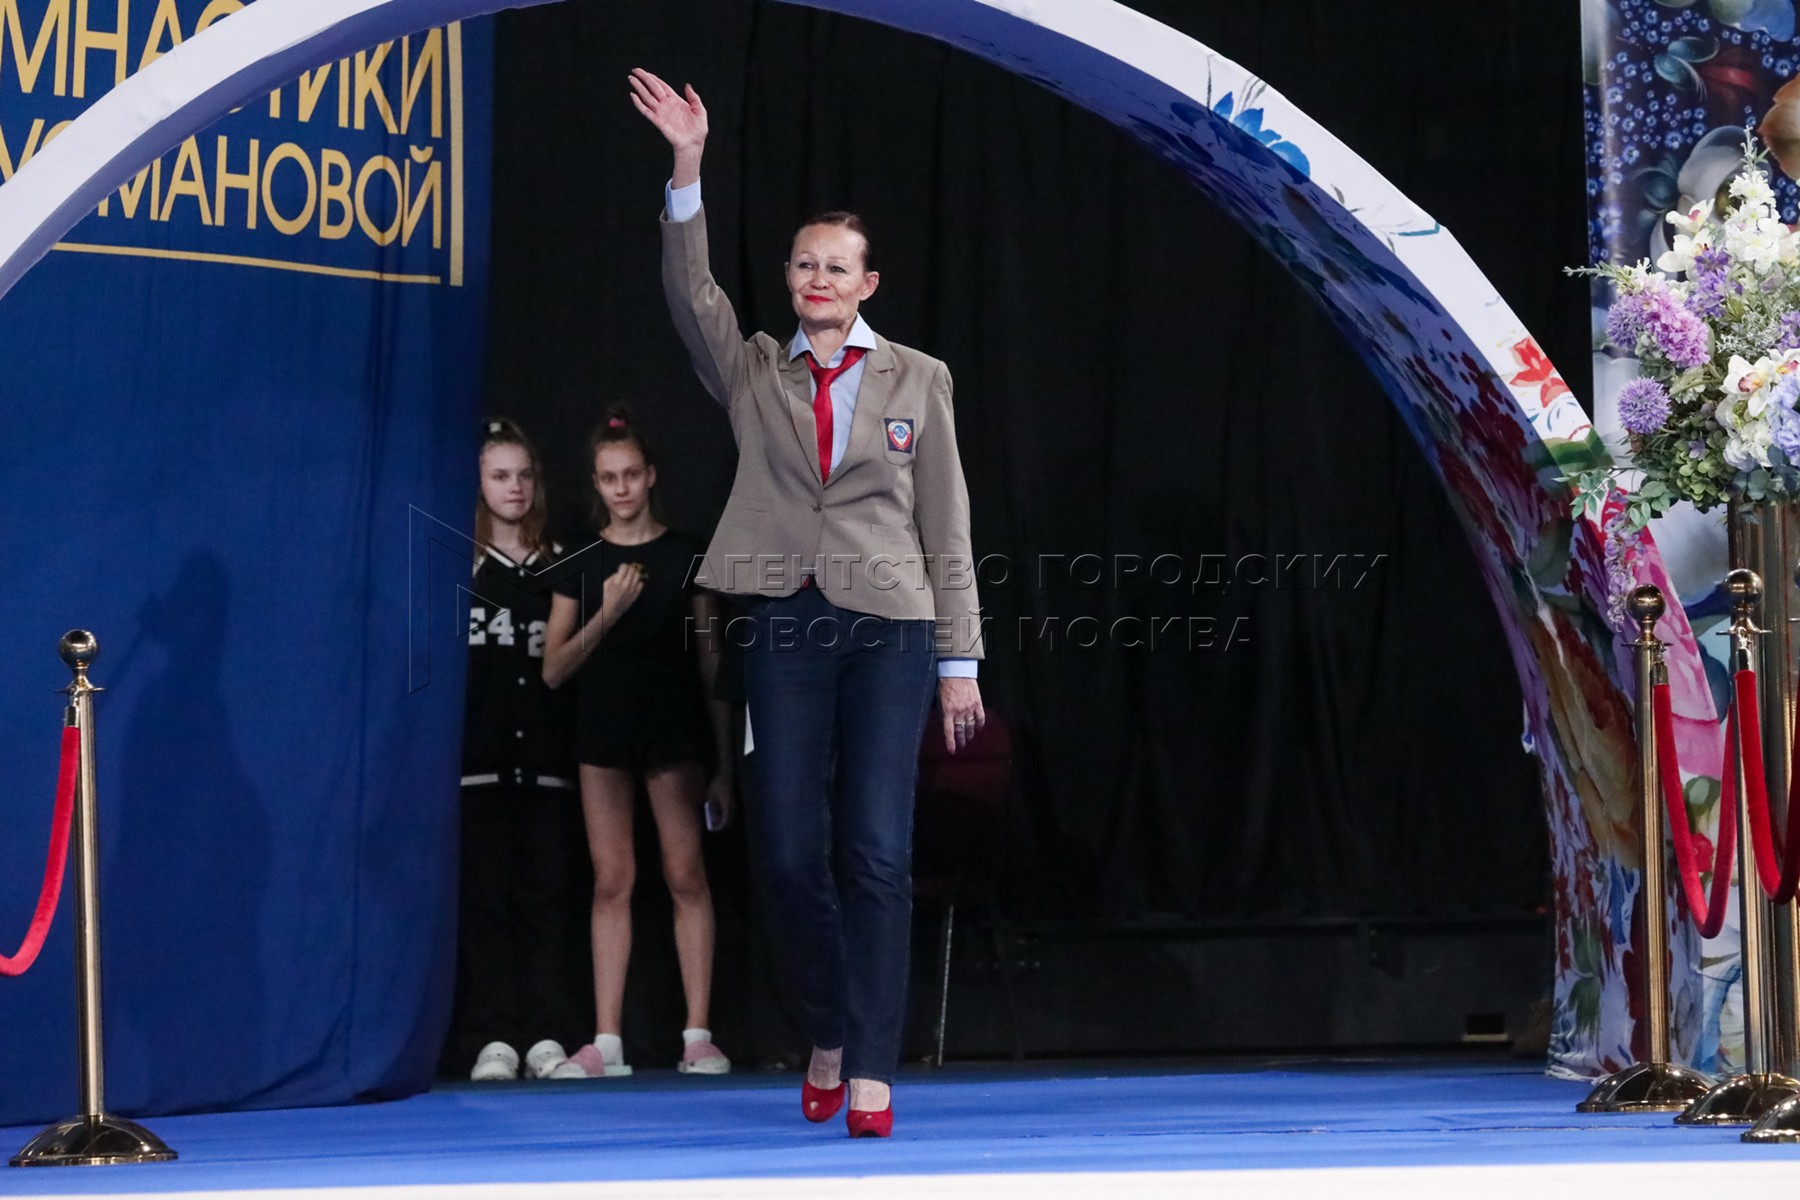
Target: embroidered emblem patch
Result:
[[899, 434]]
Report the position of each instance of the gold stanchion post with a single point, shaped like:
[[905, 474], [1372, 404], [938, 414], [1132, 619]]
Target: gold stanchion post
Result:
[[1655, 1085], [93, 1137], [1782, 1123], [1744, 1097]]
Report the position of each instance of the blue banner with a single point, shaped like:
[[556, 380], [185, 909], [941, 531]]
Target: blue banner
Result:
[[227, 396]]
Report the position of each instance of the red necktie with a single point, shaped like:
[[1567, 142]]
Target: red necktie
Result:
[[822, 377]]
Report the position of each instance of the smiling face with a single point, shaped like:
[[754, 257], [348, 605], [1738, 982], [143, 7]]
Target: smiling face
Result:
[[508, 482], [623, 479], [827, 277]]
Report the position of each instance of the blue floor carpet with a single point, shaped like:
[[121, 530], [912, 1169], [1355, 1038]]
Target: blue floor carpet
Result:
[[1044, 1118]]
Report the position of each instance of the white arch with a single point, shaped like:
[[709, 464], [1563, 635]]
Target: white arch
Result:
[[1124, 66], [1490, 413]]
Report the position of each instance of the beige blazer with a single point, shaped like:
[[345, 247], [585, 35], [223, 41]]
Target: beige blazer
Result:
[[888, 534]]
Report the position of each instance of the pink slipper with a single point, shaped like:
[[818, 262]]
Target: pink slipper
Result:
[[703, 1058], [586, 1063]]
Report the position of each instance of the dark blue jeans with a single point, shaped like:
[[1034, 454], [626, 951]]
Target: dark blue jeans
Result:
[[838, 702]]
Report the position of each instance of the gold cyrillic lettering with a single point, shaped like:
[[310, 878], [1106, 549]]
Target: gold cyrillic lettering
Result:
[[166, 23], [55, 25], [335, 191], [430, 64], [431, 190], [33, 140], [368, 84], [312, 86], [225, 180], [88, 40], [281, 154], [378, 234], [187, 179]]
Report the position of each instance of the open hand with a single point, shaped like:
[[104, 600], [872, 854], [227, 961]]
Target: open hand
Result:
[[681, 120]]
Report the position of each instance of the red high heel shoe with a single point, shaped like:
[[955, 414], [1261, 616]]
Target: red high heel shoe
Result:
[[821, 1104], [870, 1124]]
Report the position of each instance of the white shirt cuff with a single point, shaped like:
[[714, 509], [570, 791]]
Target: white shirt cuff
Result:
[[956, 668], [682, 203]]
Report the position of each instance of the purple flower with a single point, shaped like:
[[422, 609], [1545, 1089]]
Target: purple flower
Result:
[[1643, 406], [1625, 321], [1785, 391], [1710, 283], [1680, 336], [1712, 260], [1784, 422], [1708, 296], [1789, 338]]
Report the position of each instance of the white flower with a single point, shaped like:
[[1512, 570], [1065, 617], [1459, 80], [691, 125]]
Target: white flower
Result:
[[1743, 410], [1752, 187], [1739, 414], [1748, 447], [1694, 218], [1680, 258], [1743, 376], [1757, 242], [1639, 275]]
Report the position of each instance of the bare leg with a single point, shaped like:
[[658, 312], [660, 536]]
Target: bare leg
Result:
[[606, 797], [676, 794], [825, 1069], [869, 1095]]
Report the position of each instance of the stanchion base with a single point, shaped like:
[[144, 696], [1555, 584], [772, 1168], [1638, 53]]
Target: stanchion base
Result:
[[1740, 1100], [93, 1141], [1646, 1087], [1779, 1124]]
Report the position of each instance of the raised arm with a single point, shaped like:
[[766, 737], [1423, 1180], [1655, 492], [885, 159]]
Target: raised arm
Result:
[[703, 315], [681, 121]]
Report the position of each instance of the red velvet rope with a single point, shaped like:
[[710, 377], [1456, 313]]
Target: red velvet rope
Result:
[[1780, 876], [1762, 826], [1692, 891], [1778, 871], [1790, 875], [51, 892]]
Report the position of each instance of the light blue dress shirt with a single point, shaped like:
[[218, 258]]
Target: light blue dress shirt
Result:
[[682, 205]]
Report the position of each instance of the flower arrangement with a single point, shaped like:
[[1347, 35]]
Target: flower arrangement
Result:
[[1716, 331]]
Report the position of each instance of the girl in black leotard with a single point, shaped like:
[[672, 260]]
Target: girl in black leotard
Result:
[[623, 622]]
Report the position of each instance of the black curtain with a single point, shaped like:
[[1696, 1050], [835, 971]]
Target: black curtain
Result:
[[1135, 379]]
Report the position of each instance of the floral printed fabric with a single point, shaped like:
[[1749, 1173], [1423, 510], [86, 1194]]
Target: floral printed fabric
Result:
[[1671, 86]]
